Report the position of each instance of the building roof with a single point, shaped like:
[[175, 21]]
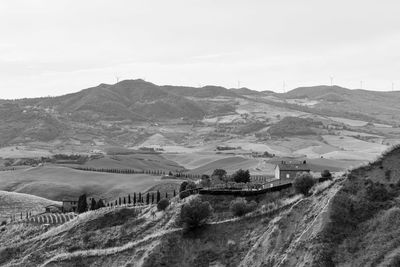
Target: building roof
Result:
[[285, 166], [69, 200]]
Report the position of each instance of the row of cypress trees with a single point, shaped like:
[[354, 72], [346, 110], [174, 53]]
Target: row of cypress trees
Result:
[[149, 198]]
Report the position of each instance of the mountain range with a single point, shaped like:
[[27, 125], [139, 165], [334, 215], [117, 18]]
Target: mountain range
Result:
[[139, 101]]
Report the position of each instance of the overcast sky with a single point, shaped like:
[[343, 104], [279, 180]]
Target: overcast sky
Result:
[[56, 47]]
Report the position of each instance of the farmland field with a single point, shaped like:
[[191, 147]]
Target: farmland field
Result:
[[56, 183]]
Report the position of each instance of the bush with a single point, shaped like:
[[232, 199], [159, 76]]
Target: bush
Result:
[[240, 206], [195, 213], [303, 183], [163, 204], [3, 223], [326, 174]]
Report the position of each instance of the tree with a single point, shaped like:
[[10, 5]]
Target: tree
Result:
[[100, 204], [158, 196], [303, 183], [166, 194], [195, 213], [152, 198], [93, 204], [82, 204], [129, 199], [147, 199], [183, 186], [124, 200], [134, 199], [326, 174], [140, 197], [221, 174], [174, 193], [119, 201], [163, 204], [242, 176], [205, 181]]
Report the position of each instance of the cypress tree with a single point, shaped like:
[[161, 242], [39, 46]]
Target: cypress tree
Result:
[[158, 196], [148, 199], [134, 198], [152, 198], [140, 197], [100, 204], [119, 201], [82, 204], [166, 195], [129, 199], [174, 193], [116, 203], [93, 204], [124, 200]]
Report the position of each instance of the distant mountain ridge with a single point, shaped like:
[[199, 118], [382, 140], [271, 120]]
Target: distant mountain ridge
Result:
[[136, 101]]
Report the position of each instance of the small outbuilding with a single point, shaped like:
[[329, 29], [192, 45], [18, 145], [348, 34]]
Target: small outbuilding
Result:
[[53, 209], [289, 170], [69, 205]]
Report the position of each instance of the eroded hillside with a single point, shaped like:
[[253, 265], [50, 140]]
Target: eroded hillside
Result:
[[351, 221]]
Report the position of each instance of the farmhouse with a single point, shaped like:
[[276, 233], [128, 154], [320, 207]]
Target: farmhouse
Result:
[[289, 170], [69, 205]]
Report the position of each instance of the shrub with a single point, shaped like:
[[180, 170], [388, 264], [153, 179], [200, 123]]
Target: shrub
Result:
[[163, 204], [326, 174], [195, 213], [3, 223], [240, 206], [242, 176], [303, 183]]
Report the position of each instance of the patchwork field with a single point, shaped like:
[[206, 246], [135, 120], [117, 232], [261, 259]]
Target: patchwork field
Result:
[[56, 183]]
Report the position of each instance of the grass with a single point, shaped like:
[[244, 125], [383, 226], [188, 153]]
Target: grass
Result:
[[56, 183], [12, 203]]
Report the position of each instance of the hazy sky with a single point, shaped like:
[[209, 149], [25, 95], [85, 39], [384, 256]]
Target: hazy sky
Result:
[[54, 47]]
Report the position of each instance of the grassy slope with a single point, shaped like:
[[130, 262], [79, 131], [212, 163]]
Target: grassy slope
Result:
[[54, 182], [14, 203]]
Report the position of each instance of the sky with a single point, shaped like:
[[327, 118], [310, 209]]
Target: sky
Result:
[[50, 47]]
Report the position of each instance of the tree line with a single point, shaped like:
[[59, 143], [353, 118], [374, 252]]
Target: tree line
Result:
[[135, 199]]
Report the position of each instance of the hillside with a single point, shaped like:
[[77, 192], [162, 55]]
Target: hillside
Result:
[[56, 183], [349, 103], [352, 221], [12, 203]]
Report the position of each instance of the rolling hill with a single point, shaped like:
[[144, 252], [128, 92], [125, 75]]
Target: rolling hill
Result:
[[12, 203], [56, 183], [380, 106]]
